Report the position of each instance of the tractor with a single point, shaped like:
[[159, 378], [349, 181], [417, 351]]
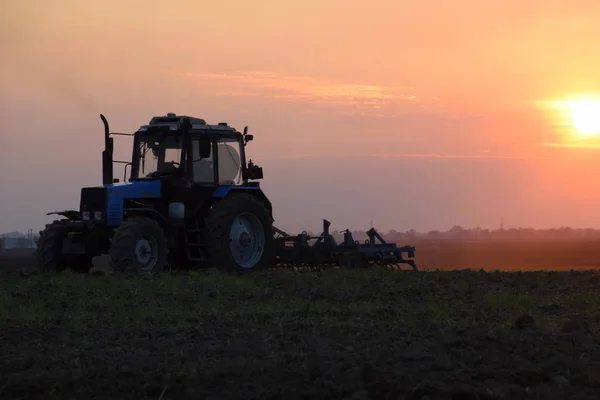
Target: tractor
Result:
[[191, 197]]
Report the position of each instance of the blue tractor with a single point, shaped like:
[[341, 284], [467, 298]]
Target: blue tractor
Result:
[[189, 198]]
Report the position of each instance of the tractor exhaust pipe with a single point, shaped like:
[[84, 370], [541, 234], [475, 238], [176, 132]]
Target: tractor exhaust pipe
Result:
[[107, 155]]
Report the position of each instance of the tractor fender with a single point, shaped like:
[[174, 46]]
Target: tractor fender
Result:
[[223, 191], [71, 215], [149, 212]]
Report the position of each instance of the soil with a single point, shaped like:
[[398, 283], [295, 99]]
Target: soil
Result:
[[351, 334]]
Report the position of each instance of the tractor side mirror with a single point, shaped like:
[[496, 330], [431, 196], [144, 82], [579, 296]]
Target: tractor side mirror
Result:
[[245, 130], [248, 138], [204, 147]]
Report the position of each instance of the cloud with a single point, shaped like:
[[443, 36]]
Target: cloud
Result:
[[378, 100], [405, 155], [576, 142], [572, 145]]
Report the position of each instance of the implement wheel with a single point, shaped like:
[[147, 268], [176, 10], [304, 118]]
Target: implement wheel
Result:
[[240, 234], [139, 246]]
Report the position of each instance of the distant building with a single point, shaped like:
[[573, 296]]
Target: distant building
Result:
[[17, 240]]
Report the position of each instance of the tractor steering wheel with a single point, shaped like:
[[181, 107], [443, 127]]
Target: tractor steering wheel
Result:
[[174, 165]]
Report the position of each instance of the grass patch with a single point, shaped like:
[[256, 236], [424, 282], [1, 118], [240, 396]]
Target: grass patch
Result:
[[332, 334], [447, 298]]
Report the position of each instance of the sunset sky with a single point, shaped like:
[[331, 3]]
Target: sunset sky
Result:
[[410, 114]]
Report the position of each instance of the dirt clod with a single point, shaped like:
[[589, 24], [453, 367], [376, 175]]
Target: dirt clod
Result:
[[525, 321], [560, 380], [574, 326]]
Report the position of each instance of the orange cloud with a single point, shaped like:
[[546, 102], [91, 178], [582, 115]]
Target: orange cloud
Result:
[[572, 145], [384, 99], [576, 142], [404, 155]]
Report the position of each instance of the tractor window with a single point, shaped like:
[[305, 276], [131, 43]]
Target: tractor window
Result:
[[230, 172], [203, 167], [162, 157], [172, 155]]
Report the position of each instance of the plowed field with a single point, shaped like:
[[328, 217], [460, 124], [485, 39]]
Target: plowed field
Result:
[[355, 334]]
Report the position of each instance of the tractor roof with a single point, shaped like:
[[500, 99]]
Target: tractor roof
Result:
[[175, 121]]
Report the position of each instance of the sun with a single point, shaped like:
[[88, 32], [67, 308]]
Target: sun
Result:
[[585, 116]]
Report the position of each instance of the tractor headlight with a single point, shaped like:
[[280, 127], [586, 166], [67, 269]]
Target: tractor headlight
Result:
[[98, 215], [85, 215]]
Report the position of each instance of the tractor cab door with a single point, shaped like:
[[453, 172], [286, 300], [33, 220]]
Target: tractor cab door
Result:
[[203, 170], [217, 160], [229, 161]]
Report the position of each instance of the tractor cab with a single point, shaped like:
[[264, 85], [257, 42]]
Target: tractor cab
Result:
[[188, 199], [185, 147]]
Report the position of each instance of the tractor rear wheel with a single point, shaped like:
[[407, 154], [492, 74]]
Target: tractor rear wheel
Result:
[[49, 253], [239, 232], [139, 246]]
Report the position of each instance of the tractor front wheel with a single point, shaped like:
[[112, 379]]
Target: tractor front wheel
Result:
[[138, 246], [240, 234], [49, 253]]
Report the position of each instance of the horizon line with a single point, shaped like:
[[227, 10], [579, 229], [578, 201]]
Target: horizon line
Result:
[[2, 235]]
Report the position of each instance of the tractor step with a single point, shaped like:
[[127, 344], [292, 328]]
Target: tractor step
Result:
[[193, 242]]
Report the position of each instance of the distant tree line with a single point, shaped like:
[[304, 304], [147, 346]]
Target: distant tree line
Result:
[[457, 232]]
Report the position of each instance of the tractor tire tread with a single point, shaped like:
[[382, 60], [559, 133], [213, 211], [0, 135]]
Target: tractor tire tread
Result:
[[218, 224], [49, 247], [121, 249]]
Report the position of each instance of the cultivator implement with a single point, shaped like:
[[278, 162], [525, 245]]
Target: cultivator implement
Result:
[[306, 251]]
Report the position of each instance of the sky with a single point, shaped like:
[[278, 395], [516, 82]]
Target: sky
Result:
[[399, 113]]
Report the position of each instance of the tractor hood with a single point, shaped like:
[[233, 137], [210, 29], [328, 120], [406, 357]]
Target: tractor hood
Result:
[[105, 203], [143, 189], [110, 198]]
